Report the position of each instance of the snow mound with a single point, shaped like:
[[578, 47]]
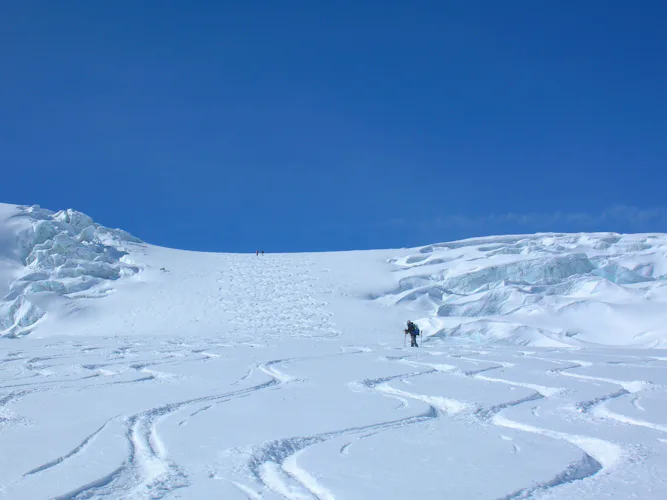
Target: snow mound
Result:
[[61, 255], [543, 289]]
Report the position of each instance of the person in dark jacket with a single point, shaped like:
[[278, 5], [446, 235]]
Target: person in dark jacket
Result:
[[413, 330]]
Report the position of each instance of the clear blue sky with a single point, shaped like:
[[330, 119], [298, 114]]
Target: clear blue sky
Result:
[[302, 125]]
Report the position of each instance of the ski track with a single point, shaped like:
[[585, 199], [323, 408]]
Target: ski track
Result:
[[69, 455], [274, 464], [544, 391], [586, 406], [631, 386], [489, 413], [582, 469], [604, 412], [598, 455], [148, 472]]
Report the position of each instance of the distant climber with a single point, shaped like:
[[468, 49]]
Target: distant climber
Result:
[[262, 252], [256, 252], [413, 330]]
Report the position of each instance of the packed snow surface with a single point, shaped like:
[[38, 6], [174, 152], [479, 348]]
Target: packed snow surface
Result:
[[132, 371]]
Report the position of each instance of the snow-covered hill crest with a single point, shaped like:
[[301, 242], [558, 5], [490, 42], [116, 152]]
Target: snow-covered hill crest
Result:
[[55, 256], [544, 289]]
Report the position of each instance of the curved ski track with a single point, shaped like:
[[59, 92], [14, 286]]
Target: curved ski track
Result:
[[272, 464], [148, 472]]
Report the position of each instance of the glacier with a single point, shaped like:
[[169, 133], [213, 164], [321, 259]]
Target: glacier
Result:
[[64, 255], [545, 289], [129, 370]]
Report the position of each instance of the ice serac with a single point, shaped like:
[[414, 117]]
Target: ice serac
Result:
[[544, 289], [55, 256]]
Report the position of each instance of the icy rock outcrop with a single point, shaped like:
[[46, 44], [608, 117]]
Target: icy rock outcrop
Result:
[[65, 254]]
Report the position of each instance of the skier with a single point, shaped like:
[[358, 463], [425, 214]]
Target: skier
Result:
[[262, 252], [413, 330]]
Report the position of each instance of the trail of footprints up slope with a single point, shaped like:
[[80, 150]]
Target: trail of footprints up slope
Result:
[[274, 295]]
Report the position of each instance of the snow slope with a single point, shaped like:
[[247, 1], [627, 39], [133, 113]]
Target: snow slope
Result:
[[156, 373]]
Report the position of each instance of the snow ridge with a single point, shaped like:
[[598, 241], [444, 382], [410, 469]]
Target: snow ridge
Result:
[[63, 255]]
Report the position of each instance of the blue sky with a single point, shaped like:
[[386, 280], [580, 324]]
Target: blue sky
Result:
[[303, 125]]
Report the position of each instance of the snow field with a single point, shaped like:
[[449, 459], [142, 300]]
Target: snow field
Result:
[[285, 376], [201, 418]]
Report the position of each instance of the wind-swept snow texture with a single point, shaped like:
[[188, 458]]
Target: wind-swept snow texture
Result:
[[207, 376]]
